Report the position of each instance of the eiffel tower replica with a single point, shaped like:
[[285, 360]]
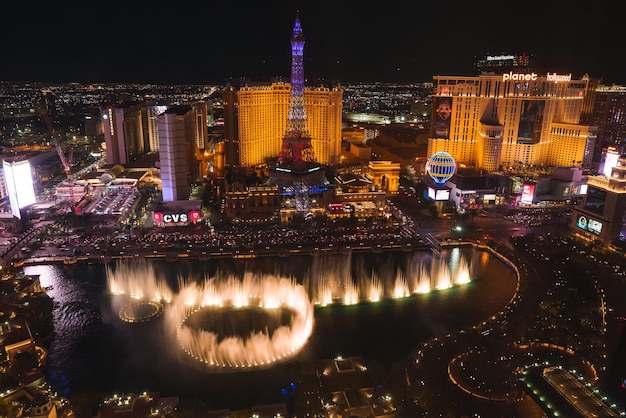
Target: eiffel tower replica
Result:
[[297, 167]]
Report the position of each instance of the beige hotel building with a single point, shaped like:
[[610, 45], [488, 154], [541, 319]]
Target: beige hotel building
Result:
[[496, 121], [262, 113]]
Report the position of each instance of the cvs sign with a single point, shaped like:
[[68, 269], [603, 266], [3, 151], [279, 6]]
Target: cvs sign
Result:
[[176, 218]]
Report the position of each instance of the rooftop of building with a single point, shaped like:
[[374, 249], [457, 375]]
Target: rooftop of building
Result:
[[178, 205], [343, 373], [147, 161], [137, 405], [24, 153], [179, 110]]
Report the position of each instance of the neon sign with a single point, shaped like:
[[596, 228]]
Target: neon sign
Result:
[[528, 191], [176, 218], [500, 57], [519, 76], [558, 77], [169, 218]]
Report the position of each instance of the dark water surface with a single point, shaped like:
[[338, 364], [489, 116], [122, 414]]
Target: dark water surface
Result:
[[94, 348]]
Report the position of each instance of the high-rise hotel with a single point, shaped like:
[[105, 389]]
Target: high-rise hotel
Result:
[[262, 113], [494, 121], [256, 117]]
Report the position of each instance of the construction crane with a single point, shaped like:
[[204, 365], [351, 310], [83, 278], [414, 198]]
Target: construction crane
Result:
[[66, 162]]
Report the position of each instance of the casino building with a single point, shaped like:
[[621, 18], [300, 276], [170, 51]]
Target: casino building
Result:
[[600, 218], [262, 113], [494, 121]]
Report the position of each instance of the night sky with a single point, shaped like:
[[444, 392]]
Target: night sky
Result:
[[210, 42]]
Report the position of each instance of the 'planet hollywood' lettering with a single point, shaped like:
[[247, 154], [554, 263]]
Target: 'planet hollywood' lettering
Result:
[[519, 76], [558, 77], [511, 76]]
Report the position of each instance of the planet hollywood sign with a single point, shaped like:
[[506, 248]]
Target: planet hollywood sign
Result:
[[171, 219], [511, 76]]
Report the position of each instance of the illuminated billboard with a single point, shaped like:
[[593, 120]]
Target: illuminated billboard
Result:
[[594, 226], [338, 209], [442, 194], [595, 200], [517, 183], [589, 224], [442, 111], [608, 160], [529, 128], [528, 192], [19, 182], [438, 194], [176, 219]]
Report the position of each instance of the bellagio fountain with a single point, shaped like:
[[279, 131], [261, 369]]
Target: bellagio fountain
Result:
[[285, 304]]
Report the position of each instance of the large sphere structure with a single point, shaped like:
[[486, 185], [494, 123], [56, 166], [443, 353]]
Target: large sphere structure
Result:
[[441, 167]]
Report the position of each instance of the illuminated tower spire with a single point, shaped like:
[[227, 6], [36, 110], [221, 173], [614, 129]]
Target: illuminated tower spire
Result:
[[296, 152]]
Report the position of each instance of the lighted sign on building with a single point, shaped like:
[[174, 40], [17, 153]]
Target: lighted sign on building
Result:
[[516, 184], [176, 219], [500, 57], [442, 194], [589, 224], [438, 194], [595, 200], [533, 77], [442, 114], [558, 77], [594, 226], [528, 192], [519, 76], [19, 182], [608, 160], [529, 127]]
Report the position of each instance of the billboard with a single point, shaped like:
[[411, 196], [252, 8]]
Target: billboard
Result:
[[442, 111], [589, 224], [442, 194], [517, 184], [529, 128], [595, 200], [438, 194], [176, 219], [431, 193], [594, 226], [528, 192], [19, 183], [608, 160]]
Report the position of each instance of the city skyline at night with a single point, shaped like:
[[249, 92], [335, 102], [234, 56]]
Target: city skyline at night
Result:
[[258, 249]]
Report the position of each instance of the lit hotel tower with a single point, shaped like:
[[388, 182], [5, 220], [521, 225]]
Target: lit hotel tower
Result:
[[496, 121], [296, 161], [257, 117]]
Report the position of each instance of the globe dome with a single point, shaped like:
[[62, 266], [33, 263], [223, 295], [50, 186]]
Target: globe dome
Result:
[[441, 167]]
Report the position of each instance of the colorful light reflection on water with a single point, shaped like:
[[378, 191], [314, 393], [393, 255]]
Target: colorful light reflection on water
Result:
[[93, 348]]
